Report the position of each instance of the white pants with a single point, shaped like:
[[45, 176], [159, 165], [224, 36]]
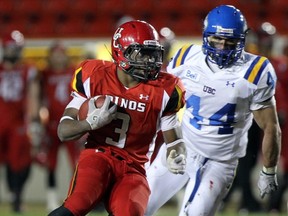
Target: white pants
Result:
[[208, 181]]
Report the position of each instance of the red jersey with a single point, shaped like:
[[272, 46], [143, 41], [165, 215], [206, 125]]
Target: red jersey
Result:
[[57, 89], [14, 143], [13, 90], [139, 110]]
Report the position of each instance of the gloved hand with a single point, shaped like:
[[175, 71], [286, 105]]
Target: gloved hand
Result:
[[267, 183], [98, 117], [176, 162]]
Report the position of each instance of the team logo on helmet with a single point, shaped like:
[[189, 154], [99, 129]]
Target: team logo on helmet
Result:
[[116, 36], [221, 30]]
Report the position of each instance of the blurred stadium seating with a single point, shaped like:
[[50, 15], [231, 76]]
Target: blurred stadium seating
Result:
[[41, 18]]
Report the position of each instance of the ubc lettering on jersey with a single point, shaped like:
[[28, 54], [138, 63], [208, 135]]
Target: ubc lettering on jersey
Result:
[[180, 56], [77, 84], [209, 90], [255, 70]]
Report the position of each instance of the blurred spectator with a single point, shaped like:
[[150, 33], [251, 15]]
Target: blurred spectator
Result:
[[265, 37], [55, 82], [19, 97], [281, 66], [167, 38]]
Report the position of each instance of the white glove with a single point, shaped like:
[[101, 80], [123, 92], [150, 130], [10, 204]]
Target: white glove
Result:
[[98, 117], [176, 163], [267, 183]]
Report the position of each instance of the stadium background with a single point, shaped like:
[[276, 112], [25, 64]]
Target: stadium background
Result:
[[86, 27]]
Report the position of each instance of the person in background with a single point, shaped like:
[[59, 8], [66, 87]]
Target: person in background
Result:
[[265, 40], [56, 88], [19, 105], [167, 38], [140, 100], [277, 199], [226, 88]]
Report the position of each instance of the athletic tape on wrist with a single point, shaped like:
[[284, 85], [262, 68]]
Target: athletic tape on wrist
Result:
[[174, 143], [269, 170], [66, 117]]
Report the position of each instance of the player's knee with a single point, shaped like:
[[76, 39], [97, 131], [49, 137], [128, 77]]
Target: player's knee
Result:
[[136, 209], [128, 210], [61, 211]]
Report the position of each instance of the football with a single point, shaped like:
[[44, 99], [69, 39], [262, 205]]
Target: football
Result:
[[82, 113]]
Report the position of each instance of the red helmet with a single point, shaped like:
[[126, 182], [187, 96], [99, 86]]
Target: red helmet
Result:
[[137, 51]]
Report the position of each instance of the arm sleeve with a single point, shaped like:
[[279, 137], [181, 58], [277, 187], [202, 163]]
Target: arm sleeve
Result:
[[79, 80], [176, 100], [77, 101], [169, 122], [264, 94]]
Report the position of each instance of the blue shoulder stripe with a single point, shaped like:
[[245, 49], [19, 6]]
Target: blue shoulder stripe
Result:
[[181, 55], [255, 70]]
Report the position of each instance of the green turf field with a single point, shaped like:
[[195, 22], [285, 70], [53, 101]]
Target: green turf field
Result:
[[39, 210]]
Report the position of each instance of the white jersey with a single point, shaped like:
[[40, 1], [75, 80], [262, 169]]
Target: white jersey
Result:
[[219, 102]]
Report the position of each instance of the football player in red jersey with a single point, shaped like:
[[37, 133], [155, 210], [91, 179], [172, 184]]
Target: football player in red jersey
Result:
[[111, 167], [19, 108], [56, 94]]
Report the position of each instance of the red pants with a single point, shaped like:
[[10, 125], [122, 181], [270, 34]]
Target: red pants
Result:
[[106, 176], [15, 146]]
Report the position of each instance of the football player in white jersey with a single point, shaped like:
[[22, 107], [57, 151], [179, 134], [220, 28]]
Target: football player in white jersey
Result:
[[225, 88]]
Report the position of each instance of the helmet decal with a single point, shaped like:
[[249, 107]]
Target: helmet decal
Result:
[[151, 42], [116, 36], [221, 30]]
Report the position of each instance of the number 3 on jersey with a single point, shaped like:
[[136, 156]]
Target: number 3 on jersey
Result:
[[223, 117]]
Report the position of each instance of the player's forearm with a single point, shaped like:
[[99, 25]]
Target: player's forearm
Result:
[[271, 146], [72, 129]]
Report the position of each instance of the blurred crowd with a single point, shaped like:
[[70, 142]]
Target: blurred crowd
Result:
[[32, 102]]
